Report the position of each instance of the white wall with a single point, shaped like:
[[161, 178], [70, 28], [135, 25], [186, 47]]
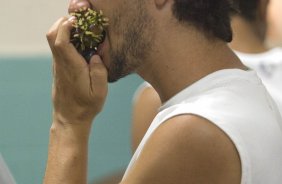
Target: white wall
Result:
[[24, 23]]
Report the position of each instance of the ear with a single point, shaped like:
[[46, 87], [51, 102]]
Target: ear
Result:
[[160, 3]]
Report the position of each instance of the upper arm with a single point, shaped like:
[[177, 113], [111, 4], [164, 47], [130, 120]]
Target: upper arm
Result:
[[145, 108], [187, 150]]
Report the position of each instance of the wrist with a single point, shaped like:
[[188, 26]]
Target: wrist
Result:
[[68, 153], [70, 132], [69, 119]]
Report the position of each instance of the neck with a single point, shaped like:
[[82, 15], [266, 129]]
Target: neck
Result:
[[247, 37], [184, 58]]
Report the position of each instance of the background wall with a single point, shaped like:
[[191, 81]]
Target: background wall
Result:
[[25, 101], [25, 118], [25, 23]]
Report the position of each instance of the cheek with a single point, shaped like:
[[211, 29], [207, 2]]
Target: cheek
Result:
[[107, 6]]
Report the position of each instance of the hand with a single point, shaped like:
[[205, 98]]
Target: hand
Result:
[[79, 89], [77, 4]]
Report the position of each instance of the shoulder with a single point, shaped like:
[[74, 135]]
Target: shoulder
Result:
[[188, 148], [145, 92], [146, 103], [146, 100], [197, 135]]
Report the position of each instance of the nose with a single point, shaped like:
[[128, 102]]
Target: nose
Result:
[[77, 4]]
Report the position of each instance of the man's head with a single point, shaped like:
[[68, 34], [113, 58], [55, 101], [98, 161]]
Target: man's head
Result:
[[211, 17], [254, 12], [132, 33], [248, 8]]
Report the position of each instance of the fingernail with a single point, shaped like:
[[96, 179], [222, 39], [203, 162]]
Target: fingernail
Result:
[[96, 59]]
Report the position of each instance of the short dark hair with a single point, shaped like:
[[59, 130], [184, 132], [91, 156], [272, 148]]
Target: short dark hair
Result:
[[210, 16], [247, 8]]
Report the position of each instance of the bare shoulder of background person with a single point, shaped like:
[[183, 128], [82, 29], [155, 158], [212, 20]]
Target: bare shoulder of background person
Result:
[[146, 103]]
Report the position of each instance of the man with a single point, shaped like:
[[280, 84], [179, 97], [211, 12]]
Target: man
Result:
[[249, 44], [209, 130]]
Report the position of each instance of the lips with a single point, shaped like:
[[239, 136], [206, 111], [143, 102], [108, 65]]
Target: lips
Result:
[[102, 45]]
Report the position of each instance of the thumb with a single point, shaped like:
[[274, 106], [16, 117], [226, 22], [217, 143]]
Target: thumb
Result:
[[98, 76]]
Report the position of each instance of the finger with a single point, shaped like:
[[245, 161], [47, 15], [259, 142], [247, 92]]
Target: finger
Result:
[[62, 43], [75, 5], [53, 31], [98, 76]]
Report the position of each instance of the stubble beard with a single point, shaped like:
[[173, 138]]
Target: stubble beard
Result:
[[136, 45]]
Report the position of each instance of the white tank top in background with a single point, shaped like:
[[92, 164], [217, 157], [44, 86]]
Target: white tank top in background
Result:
[[268, 66], [5, 175], [238, 103]]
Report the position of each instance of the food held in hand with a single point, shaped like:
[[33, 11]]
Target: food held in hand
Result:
[[88, 31]]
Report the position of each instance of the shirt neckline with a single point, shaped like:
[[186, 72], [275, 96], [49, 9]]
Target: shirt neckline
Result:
[[206, 83]]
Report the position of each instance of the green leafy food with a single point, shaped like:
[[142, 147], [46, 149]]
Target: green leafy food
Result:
[[88, 31]]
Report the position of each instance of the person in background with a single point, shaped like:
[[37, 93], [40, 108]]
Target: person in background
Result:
[[6, 176], [249, 27], [274, 33], [217, 116], [249, 44]]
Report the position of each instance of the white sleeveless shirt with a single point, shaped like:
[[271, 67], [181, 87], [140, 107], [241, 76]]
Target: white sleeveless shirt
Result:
[[237, 103], [268, 66]]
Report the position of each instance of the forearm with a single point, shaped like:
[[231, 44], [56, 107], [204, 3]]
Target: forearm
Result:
[[78, 93], [68, 154]]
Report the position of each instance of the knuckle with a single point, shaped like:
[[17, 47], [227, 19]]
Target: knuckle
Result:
[[59, 45], [50, 35], [65, 24]]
